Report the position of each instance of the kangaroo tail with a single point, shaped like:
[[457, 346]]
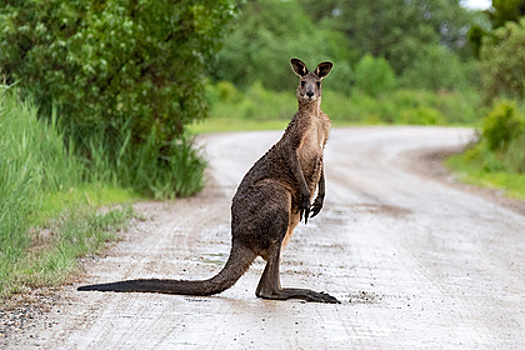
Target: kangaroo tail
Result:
[[239, 261]]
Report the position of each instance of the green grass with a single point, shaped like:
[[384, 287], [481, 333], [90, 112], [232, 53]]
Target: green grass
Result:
[[470, 172], [90, 194], [219, 124], [48, 211], [52, 256]]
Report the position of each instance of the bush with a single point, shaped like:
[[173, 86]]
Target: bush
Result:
[[500, 150], [515, 157], [374, 76], [502, 57], [129, 73], [422, 116], [256, 103], [502, 125]]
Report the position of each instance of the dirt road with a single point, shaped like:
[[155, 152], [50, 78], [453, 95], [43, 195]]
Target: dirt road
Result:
[[418, 263]]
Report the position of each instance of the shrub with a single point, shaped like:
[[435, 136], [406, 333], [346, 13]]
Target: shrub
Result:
[[502, 67], [422, 116], [374, 76], [501, 126], [400, 106], [515, 157], [130, 73]]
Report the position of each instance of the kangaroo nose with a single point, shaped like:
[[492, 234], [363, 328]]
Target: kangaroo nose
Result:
[[309, 93]]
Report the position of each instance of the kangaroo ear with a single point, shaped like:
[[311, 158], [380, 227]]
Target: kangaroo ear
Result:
[[299, 67], [323, 69]]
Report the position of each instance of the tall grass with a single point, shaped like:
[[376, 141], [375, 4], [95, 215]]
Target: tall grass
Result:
[[33, 161], [178, 172], [34, 168], [148, 166]]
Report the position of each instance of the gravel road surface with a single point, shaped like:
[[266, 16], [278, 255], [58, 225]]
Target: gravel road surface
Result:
[[418, 261]]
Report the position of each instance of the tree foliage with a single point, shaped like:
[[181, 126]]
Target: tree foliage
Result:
[[114, 62], [502, 62], [436, 68], [124, 68], [395, 30], [374, 76], [267, 34], [503, 11]]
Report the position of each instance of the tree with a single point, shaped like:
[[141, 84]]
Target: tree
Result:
[[436, 68], [267, 34], [132, 70], [374, 76], [503, 11], [502, 67], [499, 14], [393, 29]]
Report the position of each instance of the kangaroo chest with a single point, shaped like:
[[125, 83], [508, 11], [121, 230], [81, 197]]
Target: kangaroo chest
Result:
[[313, 143], [311, 152]]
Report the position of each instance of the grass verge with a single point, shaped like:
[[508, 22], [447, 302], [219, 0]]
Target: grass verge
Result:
[[497, 160], [52, 254], [469, 171], [48, 210]]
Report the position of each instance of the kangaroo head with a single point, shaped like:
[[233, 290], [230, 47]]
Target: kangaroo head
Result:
[[309, 88]]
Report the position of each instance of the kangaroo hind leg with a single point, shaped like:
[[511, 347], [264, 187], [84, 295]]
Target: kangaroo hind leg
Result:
[[270, 284]]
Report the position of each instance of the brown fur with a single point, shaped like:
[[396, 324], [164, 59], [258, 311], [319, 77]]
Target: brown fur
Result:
[[273, 197]]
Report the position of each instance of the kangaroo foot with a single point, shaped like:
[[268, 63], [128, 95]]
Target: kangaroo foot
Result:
[[303, 294]]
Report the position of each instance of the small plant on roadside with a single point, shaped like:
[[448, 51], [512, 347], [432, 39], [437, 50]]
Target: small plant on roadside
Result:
[[502, 126]]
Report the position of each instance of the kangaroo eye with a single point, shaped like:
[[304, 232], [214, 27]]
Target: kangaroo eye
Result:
[[303, 83], [318, 84]]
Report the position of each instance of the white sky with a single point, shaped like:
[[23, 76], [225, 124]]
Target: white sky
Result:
[[477, 4]]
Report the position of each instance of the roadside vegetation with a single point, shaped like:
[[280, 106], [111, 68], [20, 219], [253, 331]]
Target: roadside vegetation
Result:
[[93, 108], [498, 159], [48, 201], [416, 74]]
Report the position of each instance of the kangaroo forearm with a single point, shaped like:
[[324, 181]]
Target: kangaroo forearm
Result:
[[298, 173], [322, 185]]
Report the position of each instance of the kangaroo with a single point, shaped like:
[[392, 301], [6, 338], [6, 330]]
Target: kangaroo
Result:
[[271, 200]]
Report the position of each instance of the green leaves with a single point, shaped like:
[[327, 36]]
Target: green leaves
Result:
[[374, 76], [115, 67], [502, 125], [268, 33], [502, 67]]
